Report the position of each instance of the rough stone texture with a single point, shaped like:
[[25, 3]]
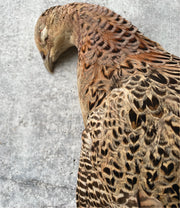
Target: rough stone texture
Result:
[[40, 118]]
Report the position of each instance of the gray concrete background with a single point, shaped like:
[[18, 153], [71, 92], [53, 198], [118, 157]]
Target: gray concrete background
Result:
[[40, 118]]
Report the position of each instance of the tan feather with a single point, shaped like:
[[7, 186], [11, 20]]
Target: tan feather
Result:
[[129, 95]]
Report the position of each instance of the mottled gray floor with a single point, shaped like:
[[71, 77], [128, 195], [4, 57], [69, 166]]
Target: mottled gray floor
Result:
[[40, 118]]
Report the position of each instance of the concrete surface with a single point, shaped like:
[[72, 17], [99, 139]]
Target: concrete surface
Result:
[[40, 118]]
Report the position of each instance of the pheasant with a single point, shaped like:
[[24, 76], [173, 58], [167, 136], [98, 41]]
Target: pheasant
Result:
[[129, 95]]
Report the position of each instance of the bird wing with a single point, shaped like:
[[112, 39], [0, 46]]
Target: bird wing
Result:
[[130, 147]]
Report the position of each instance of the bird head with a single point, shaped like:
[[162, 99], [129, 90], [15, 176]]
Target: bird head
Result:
[[53, 35]]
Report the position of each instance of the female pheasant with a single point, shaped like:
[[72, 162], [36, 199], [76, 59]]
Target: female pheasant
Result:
[[129, 94]]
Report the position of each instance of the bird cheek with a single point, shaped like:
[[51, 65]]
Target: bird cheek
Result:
[[44, 35]]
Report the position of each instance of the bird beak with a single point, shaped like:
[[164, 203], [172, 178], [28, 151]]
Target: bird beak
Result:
[[49, 64]]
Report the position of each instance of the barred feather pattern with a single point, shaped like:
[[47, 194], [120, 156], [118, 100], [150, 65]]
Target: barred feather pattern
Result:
[[129, 94]]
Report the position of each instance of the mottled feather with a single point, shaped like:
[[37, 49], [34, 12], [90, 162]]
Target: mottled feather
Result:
[[129, 94]]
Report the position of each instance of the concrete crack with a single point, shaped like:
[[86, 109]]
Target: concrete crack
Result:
[[36, 183]]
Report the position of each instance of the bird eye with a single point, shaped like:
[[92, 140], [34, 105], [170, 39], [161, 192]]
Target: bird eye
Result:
[[46, 39], [43, 56]]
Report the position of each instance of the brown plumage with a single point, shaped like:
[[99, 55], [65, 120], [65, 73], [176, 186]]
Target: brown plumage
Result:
[[129, 94]]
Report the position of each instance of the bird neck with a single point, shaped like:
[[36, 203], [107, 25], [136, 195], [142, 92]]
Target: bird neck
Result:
[[71, 24]]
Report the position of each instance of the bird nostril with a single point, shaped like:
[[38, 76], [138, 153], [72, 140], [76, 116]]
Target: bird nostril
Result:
[[42, 55]]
